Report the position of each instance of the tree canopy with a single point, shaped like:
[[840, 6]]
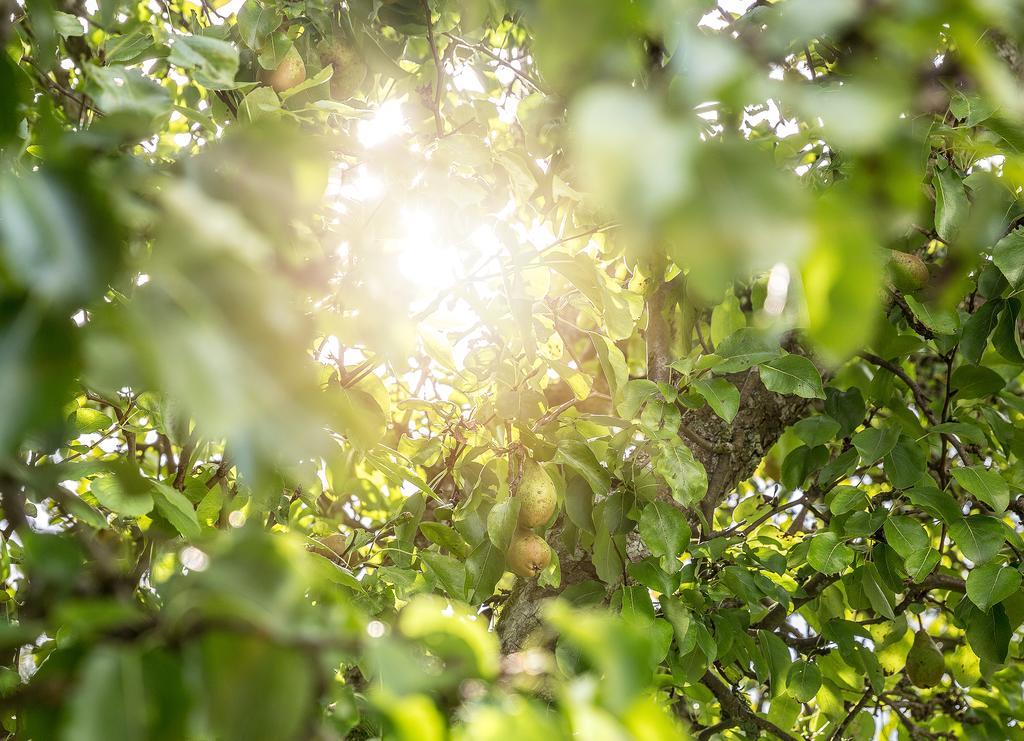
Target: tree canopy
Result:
[[488, 369]]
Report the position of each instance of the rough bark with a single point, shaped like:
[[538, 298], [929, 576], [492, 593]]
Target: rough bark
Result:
[[735, 450]]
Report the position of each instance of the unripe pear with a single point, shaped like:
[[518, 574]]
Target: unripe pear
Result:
[[289, 73], [536, 494], [925, 664], [528, 554], [331, 546], [907, 272], [349, 68]]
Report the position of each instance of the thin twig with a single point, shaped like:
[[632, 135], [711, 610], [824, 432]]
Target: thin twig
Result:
[[919, 397], [439, 65], [481, 49]]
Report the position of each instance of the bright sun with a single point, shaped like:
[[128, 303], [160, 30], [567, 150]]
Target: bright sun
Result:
[[427, 255]]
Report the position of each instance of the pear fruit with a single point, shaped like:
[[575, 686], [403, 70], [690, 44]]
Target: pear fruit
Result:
[[349, 68], [528, 554], [331, 546], [907, 272], [536, 494], [925, 664], [289, 73]]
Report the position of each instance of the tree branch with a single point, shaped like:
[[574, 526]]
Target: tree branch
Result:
[[733, 708], [838, 733]]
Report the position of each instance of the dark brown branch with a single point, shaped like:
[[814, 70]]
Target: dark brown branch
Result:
[[734, 708], [184, 458]]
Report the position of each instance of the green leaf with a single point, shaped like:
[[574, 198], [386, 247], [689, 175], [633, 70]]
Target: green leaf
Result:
[[129, 47], [875, 443], [213, 62], [800, 463], [502, 521], [839, 467], [579, 502], [1006, 337], [274, 49], [977, 328], [988, 486], [635, 394], [726, 319], [684, 474], [939, 504], [176, 507], [845, 499], [233, 668], [803, 680], [979, 537], [938, 320], [1008, 256], [209, 509], [921, 563], [578, 456], [119, 90], [607, 556], [745, 348], [992, 583], [976, 382], [83, 511], [446, 537], [399, 473], [828, 554], [880, 598], [989, 633], [449, 572], [86, 420], [972, 109], [256, 22], [613, 363], [108, 701], [815, 431], [484, 568], [905, 464], [778, 659], [720, 395], [963, 430], [794, 375], [906, 535], [359, 417], [951, 204], [452, 633], [664, 529], [260, 103], [112, 493], [68, 25]]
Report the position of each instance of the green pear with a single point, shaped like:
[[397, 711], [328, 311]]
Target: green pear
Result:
[[907, 272], [925, 664], [528, 554], [536, 496], [349, 68], [289, 73], [331, 546]]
